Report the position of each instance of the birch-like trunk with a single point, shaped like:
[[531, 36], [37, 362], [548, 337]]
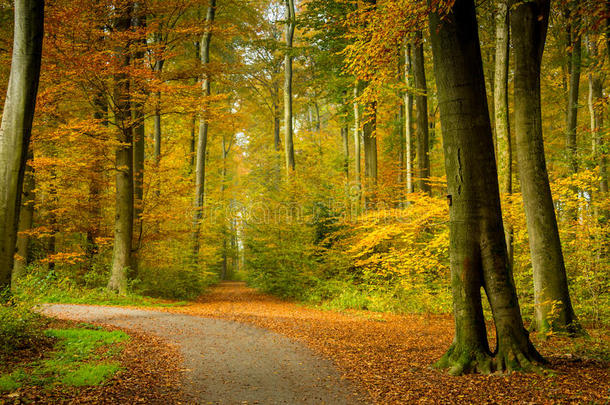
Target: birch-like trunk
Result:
[[16, 127], [502, 123], [408, 119]]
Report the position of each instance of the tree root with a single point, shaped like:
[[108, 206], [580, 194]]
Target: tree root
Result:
[[460, 360], [511, 358]]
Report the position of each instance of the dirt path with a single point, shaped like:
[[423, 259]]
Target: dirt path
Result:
[[241, 345], [228, 362]]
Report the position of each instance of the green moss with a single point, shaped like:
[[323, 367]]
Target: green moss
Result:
[[89, 374]]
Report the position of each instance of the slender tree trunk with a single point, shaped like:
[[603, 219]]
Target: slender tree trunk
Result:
[[52, 219], [571, 138], [357, 153], [502, 122], [345, 138], [408, 119], [421, 107], [288, 142], [157, 128], [124, 208], [16, 125], [554, 311], [596, 110], [137, 108], [478, 254], [203, 132], [369, 137], [26, 220], [193, 144]]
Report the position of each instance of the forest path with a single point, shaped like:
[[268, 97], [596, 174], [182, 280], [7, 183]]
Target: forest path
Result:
[[242, 345], [228, 362]]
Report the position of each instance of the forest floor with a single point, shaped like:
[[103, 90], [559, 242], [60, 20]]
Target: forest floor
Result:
[[386, 357]]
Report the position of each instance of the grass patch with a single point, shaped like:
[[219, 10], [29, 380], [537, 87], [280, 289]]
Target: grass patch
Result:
[[81, 356], [63, 291]]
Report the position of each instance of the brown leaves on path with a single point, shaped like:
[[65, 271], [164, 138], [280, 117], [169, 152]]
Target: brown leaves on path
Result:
[[389, 356]]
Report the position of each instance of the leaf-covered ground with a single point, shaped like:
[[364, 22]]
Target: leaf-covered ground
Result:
[[389, 356], [149, 374]]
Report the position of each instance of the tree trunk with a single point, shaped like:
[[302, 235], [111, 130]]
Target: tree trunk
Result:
[[124, 208], [502, 123], [138, 22], [157, 129], [288, 142], [26, 220], [421, 108], [369, 137], [596, 110], [202, 140], [345, 138], [478, 254], [357, 153], [408, 119], [571, 139], [16, 127], [554, 311]]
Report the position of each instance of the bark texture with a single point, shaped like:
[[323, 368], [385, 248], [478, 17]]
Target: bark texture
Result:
[[478, 253], [16, 127], [554, 311], [575, 63], [408, 101]]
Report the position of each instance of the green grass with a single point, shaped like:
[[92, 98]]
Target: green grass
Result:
[[81, 357]]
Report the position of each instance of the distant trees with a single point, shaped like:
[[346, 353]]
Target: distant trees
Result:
[[16, 128]]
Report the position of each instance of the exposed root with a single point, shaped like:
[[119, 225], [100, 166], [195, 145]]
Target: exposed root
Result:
[[460, 360], [511, 359]]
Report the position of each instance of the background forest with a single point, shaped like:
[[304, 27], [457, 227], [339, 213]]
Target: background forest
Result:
[[174, 113]]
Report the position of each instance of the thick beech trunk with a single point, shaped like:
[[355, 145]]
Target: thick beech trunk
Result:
[[553, 306], [478, 254], [421, 108], [16, 125], [202, 140], [288, 141], [124, 202], [26, 220], [502, 123]]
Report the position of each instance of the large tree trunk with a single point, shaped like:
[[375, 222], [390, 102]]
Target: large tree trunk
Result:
[[124, 208], [505, 152], [26, 220], [554, 311], [478, 254], [202, 140], [575, 62], [421, 107], [288, 142], [16, 127], [408, 120]]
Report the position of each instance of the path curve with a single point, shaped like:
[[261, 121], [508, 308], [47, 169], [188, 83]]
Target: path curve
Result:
[[229, 362]]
